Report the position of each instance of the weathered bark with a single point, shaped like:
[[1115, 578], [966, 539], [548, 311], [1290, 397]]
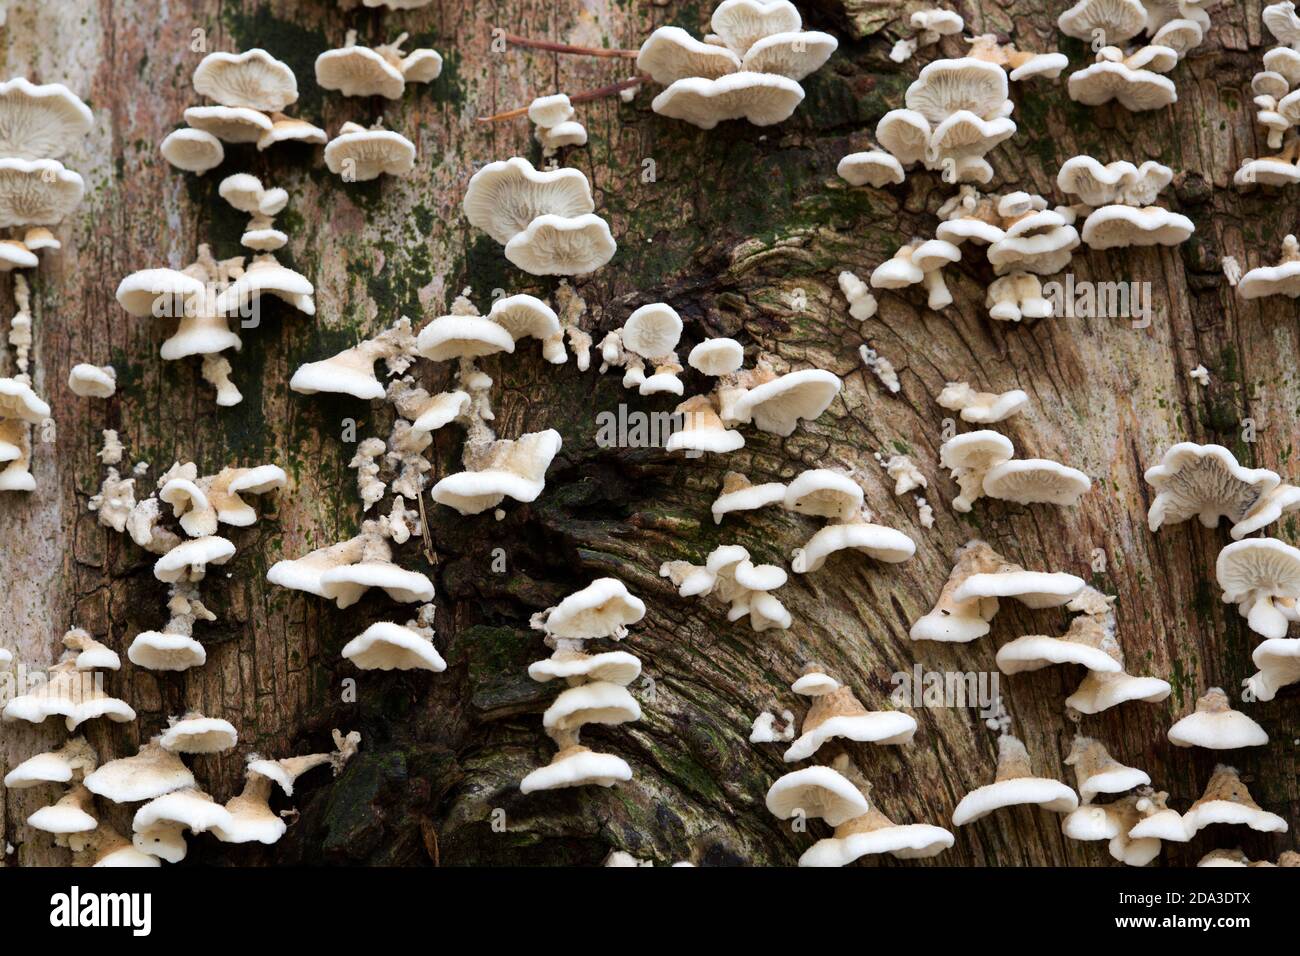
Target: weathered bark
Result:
[[739, 226]]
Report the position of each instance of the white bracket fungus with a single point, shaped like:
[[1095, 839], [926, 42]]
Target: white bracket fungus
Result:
[[1280, 279], [194, 733], [739, 494], [816, 792], [731, 577], [1278, 660], [970, 456], [70, 693], [981, 407], [1214, 725], [358, 154], [70, 762], [840, 715], [545, 219], [352, 371], [343, 572], [1206, 481], [383, 71], [874, 833], [1226, 800], [1113, 822], [1019, 64], [1134, 81], [1262, 577], [555, 122], [980, 576], [597, 683], [1013, 785], [386, 646], [1096, 771], [862, 304], [92, 381], [874, 167]]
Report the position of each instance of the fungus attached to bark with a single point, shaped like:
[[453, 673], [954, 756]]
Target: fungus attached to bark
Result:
[[40, 121], [359, 154], [69, 693], [874, 167], [981, 407], [1096, 771], [729, 575], [1262, 577], [386, 646], [74, 759], [877, 541], [739, 494], [194, 733], [1227, 800], [1013, 785], [1113, 822], [1036, 480], [92, 381], [970, 456], [192, 150], [37, 192], [383, 71], [874, 833], [1281, 279], [777, 405], [514, 468], [1214, 725], [839, 714], [148, 774], [1124, 79], [1278, 660], [816, 792], [763, 99]]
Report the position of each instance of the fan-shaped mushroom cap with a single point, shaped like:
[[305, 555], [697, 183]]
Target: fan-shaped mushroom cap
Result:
[[56, 766], [839, 714], [824, 492], [1039, 242], [614, 667], [156, 651], [1035, 589], [16, 255], [739, 495], [1098, 772], [91, 381], [152, 772], [793, 55], [558, 245], [945, 87], [71, 814], [670, 54], [814, 682], [961, 620], [1281, 279], [251, 817], [264, 274], [37, 192], [777, 406], [1120, 226], [598, 702], [1036, 480], [652, 331], [763, 99], [463, 336], [716, 357], [604, 608], [347, 583], [192, 150], [1224, 858], [1282, 22], [363, 154], [1254, 574], [290, 129], [230, 124], [1087, 642], [702, 430], [160, 292], [526, 316], [1227, 800], [1113, 822], [1214, 725], [196, 734], [873, 167], [1118, 20], [509, 468], [71, 694], [1205, 481], [577, 766], [504, 197], [905, 134], [385, 646], [816, 792], [1112, 79], [40, 121], [18, 401], [1013, 785], [189, 560], [1120, 182], [360, 71], [1046, 65], [90, 653], [874, 833], [253, 80], [186, 809], [1278, 660], [982, 407], [739, 24], [1100, 691], [877, 541], [969, 456]]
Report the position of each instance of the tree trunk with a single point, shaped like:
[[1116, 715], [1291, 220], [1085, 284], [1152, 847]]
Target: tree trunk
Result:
[[743, 230]]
